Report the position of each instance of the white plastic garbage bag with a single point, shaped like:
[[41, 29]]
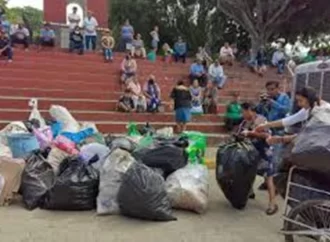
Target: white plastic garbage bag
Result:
[[5, 151], [35, 114], [111, 175], [188, 188], [87, 152], [62, 115], [166, 132]]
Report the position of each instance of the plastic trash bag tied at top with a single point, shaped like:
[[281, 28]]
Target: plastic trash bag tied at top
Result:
[[188, 188], [62, 115], [75, 188], [236, 170], [111, 176], [38, 176], [142, 195]]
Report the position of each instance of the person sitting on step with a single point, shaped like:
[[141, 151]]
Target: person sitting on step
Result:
[[227, 55], [138, 49], [210, 98], [197, 71], [128, 68], [180, 50], [108, 43], [126, 103], [47, 37], [139, 99], [21, 36], [5, 47], [77, 41], [152, 92]]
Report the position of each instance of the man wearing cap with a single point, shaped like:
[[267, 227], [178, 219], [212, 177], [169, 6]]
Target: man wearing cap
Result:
[[90, 25], [74, 18]]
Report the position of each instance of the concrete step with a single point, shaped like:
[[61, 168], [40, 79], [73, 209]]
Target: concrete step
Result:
[[88, 115], [8, 102]]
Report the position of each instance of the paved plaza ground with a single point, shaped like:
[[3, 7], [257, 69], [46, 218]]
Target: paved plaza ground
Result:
[[220, 224]]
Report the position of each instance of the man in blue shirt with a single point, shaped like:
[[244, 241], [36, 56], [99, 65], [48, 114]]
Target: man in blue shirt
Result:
[[5, 24], [278, 104], [5, 46], [47, 36], [197, 71], [180, 50]]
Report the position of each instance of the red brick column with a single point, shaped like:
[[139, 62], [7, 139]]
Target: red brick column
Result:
[[101, 11], [55, 11]]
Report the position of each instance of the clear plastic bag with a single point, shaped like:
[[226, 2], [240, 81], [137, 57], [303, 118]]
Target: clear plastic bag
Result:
[[111, 175], [188, 188]]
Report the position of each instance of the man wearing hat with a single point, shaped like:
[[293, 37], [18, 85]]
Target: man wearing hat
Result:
[[107, 42], [90, 26]]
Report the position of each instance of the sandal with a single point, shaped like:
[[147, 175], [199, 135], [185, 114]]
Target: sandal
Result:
[[272, 211]]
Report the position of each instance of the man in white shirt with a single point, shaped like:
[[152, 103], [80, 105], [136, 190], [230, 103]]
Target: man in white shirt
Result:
[[21, 36], [227, 54], [216, 74], [74, 19], [278, 60], [90, 26]]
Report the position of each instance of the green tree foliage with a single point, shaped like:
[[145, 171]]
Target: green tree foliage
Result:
[[199, 22]]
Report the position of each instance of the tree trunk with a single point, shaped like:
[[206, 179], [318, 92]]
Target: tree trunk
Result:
[[257, 42]]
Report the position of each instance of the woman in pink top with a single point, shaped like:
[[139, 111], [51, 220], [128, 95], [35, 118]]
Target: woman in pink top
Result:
[[139, 99], [227, 55]]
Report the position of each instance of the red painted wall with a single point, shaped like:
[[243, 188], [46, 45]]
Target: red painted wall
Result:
[[101, 11], [55, 11]]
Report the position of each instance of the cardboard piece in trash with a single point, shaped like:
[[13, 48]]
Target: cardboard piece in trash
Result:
[[10, 178]]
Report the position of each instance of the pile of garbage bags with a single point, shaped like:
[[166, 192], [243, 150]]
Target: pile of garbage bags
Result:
[[65, 165]]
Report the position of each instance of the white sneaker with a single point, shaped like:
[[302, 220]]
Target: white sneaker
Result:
[[10, 61]]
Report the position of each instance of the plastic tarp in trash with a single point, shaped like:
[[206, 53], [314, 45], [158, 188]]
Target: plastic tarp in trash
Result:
[[120, 142], [37, 178], [79, 136], [143, 195], [312, 145], [236, 170], [89, 151], [111, 175], [167, 157], [62, 115], [188, 188], [75, 188]]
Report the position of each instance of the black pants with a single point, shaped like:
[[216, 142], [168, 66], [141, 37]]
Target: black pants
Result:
[[47, 43], [18, 41]]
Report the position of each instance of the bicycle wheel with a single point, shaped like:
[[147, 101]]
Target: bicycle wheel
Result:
[[315, 216]]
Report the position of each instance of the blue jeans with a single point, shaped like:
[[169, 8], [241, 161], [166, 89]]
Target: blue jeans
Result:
[[107, 53], [77, 46], [90, 40], [219, 80], [8, 53], [281, 66]]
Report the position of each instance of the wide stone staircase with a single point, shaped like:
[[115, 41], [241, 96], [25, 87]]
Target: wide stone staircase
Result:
[[90, 88]]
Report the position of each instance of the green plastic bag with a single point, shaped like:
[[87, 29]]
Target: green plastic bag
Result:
[[197, 146], [132, 129]]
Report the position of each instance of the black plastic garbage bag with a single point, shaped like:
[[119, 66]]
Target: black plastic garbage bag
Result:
[[120, 142], [236, 170], [37, 178], [142, 195], [312, 149], [75, 188], [167, 157]]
